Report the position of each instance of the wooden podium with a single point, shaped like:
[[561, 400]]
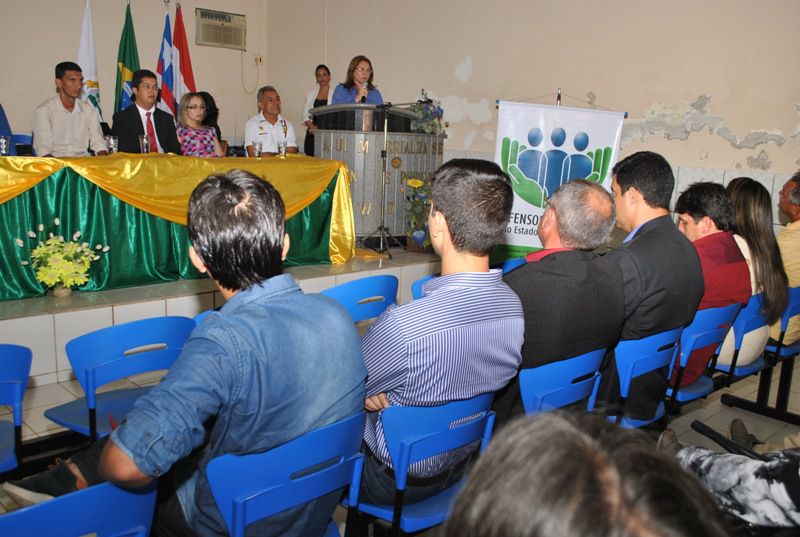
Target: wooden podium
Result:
[[354, 133]]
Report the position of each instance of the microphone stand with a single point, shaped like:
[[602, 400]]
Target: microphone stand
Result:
[[385, 238]]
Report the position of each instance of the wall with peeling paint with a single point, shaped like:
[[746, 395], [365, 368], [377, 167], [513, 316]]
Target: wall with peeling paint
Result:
[[712, 84]]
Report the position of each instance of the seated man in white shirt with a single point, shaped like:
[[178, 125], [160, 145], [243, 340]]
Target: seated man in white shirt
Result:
[[268, 126], [65, 126]]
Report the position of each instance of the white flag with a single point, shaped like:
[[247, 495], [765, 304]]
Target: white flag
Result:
[[88, 61]]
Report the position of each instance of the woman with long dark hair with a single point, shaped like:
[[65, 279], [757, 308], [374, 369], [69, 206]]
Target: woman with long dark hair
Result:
[[756, 240], [319, 96]]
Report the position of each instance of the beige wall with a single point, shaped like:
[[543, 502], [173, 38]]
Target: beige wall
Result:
[[650, 58], [34, 36]]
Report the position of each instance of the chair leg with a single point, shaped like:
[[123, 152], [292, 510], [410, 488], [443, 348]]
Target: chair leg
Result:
[[398, 511], [93, 424]]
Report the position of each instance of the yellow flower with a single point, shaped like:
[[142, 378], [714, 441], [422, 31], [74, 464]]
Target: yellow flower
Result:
[[415, 183]]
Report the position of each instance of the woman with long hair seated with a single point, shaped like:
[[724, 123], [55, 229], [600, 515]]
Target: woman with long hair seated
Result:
[[756, 240], [358, 86], [196, 139]]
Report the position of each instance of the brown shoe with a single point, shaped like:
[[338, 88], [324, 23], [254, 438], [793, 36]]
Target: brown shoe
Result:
[[741, 435], [668, 443]]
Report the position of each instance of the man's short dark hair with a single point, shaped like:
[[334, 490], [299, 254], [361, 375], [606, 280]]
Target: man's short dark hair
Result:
[[560, 475], [650, 174], [708, 199], [236, 226], [794, 194], [139, 75], [585, 214], [63, 67], [475, 197]]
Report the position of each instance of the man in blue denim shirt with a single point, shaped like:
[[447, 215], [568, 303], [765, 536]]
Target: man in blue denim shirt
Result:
[[272, 364]]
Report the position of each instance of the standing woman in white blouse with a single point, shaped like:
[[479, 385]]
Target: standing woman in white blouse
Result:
[[319, 96]]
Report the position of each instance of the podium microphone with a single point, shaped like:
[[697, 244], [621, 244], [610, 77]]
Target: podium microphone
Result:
[[364, 98]]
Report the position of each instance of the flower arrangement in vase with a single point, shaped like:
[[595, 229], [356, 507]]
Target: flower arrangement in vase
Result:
[[430, 114], [58, 263]]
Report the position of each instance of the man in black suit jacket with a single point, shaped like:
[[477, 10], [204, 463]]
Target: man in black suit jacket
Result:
[[130, 123], [662, 277], [572, 299]]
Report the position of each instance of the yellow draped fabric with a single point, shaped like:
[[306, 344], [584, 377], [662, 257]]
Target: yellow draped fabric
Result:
[[161, 184]]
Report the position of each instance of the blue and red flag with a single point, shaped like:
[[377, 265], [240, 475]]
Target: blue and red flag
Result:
[[164, 71]]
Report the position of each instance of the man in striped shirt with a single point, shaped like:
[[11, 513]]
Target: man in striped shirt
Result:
[[461, 339]]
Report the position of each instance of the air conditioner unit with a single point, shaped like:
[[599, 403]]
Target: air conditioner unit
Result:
[[220, 29]]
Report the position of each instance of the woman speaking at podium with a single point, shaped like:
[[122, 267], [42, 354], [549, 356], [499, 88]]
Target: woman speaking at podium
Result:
[[358, 87]]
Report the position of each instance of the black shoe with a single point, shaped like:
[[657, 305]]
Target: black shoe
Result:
[[741, 435], [44, 486]]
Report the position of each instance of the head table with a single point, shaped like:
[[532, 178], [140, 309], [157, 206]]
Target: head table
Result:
[[136, 204]]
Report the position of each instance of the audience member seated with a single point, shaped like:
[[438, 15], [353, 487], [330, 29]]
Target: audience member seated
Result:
[[196, 139], [271, 365], [559, 475], [705, 216], [358, 86], [571, 297], [268, 126], [789, 244], [65, 126], [764, 492], [142, 117], [661, 275], [460, 340], [756, 239]]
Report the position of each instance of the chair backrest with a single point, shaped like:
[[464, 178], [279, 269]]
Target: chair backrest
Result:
[[5, 130], [15, 368], [365, 298], [708, 327], [792, 308], [750, 317], [104, 509], [510, 264], [118, 351], [248, 488], [416, 287], [561, 383], [416, 433], [635, 357]]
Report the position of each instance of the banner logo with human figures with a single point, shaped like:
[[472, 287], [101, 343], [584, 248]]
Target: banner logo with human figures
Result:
[[542, 147]]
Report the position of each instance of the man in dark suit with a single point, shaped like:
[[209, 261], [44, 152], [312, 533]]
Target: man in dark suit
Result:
[[143, 117], [572, 298], [662, 278]]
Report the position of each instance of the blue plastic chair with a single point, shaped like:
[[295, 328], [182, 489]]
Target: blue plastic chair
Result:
[[110, 354], [365, 298], [709, 327], [750, 317], [15, 368], [781, 351], [416, 433], [636, 357], [561, 383], [104, 509], [5, 130], [248, 488], [416, 287]]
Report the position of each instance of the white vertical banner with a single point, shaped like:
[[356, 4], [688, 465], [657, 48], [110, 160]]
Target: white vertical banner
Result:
[[87, 59], [541, 147]]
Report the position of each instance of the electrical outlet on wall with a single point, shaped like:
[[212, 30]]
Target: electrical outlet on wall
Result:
[[257, 59]]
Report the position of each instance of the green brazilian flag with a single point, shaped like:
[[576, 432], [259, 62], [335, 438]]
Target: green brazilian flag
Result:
[[127, 62]]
